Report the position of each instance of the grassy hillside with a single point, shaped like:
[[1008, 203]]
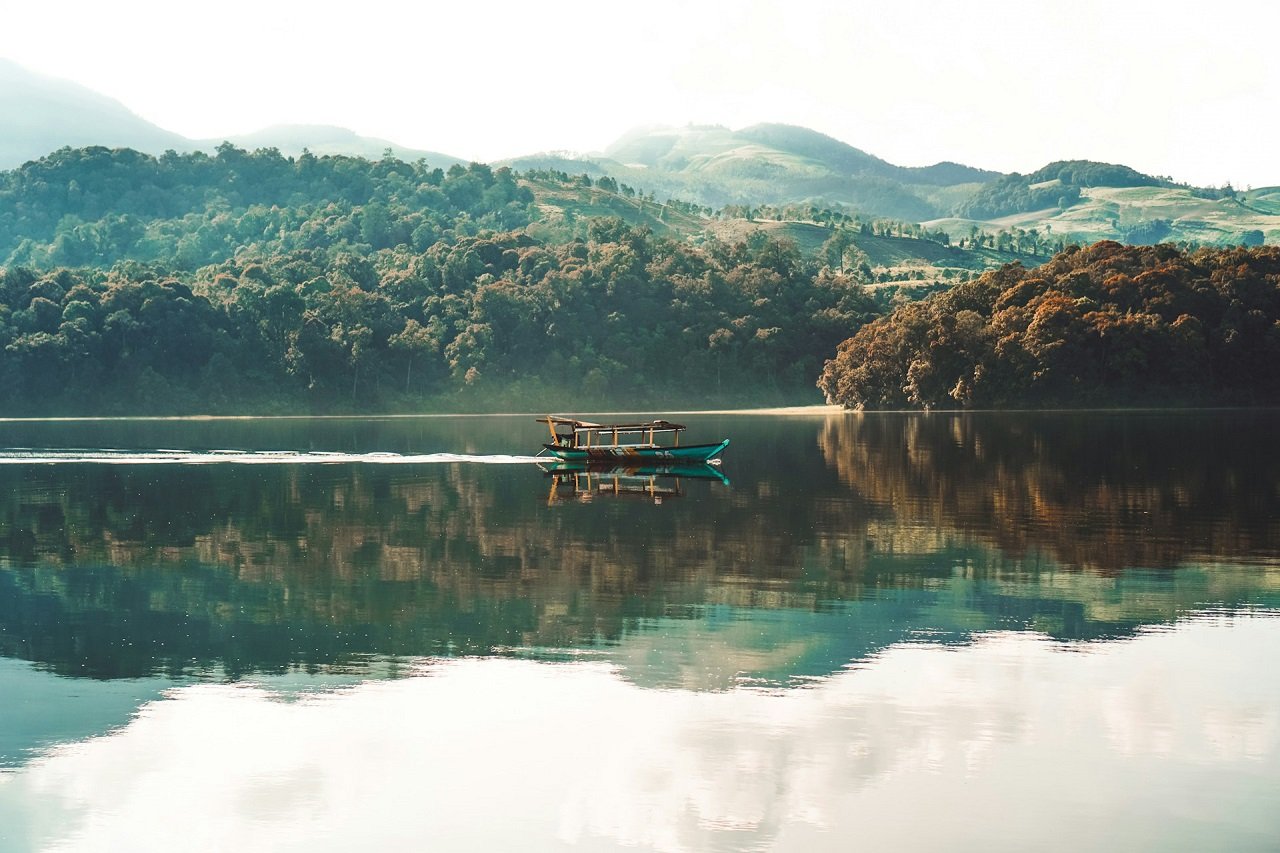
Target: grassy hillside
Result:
[[1143, 215], [1072, 201], [778, 164], [564, 210], [896, 267]]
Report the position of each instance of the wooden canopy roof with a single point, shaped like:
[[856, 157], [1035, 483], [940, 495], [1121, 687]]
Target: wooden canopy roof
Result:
[[556, 420]]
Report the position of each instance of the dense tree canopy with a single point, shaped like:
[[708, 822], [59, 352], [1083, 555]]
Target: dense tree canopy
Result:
[[94, 206], [1105, 325], [248, 281], [251, 281], [620, 316]]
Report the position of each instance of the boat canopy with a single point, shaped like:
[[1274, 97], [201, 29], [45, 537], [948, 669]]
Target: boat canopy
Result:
[[577, 433], [555, 420]]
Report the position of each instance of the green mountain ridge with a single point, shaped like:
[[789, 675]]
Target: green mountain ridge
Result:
[[1066, 201], [780, 164], [716, 167], [244, 281]]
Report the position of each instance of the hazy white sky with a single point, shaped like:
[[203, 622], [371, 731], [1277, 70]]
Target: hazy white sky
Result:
[[1184, 89]]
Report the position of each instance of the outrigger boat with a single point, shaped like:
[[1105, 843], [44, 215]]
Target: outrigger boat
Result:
[[582, 441]]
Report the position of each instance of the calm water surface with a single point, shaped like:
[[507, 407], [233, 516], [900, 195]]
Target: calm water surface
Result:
[[883, 632]]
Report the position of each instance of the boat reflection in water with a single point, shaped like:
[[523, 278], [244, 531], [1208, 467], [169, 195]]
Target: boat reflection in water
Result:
[[582, 482]]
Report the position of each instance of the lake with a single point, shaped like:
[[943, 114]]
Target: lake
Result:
[[984, 632]]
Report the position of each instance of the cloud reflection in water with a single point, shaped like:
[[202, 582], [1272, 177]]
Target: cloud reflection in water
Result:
[[1009, 742]]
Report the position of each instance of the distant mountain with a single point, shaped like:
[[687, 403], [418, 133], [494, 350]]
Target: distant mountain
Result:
[[322, 139], [39, 114], [948, 174], [714, 166], [839, 157], [780, 164]]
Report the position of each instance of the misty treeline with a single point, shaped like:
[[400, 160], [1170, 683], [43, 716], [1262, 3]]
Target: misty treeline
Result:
[[1104, 325]]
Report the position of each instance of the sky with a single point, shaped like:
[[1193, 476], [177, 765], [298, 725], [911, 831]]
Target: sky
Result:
[[1187, 90]]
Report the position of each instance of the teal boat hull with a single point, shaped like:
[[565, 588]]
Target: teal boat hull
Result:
[[628, 455]]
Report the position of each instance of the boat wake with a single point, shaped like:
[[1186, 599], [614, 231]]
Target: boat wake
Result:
[[109, 456]]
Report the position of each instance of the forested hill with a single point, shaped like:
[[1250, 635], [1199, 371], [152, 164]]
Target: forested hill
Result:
[[252, 282], [1057, 184], [1105, 325], [95, 206]]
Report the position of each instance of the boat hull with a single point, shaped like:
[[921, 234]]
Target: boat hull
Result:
[[624, 455]]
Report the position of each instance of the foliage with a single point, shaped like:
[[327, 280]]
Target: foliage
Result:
[[255, 282], [1057, 184], [620, 316], [94, 206], [1016, 194], [1089, 173], [1109, 324]]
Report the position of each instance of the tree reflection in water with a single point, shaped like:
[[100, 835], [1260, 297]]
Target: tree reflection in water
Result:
[[838, 537]]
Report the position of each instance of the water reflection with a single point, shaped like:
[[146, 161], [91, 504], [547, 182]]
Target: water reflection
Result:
[[39, 710], [1037, 630], [1009, 741], [586, 481], [1100, 491], [840, 537]]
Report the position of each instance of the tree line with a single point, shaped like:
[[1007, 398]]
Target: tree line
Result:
[[622, 316]]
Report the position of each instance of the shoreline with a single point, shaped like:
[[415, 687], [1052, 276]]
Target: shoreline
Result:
[[774, 411]]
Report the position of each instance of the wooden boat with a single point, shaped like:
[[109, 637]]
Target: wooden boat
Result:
[[582, 441]]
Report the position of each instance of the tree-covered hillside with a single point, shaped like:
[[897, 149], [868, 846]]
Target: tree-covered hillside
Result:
[[1056, 185], [189, 283], [775, 165], [95, 206], [1105, 325], [256, 282]]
